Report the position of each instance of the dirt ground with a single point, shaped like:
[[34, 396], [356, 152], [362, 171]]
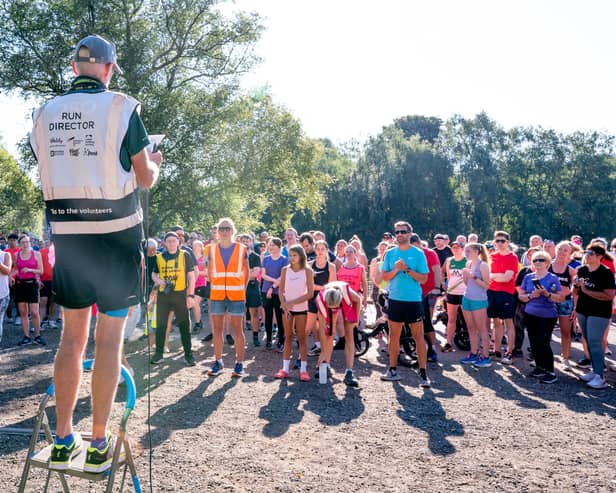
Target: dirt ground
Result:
[[492, 429]]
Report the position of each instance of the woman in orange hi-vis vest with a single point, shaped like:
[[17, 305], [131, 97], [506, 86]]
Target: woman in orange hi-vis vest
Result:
[[228, 274]]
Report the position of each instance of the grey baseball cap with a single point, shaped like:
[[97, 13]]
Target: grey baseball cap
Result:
[[99, 51]]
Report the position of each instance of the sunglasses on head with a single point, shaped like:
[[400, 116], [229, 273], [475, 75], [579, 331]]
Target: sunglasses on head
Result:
[[500, 240], [590, 253], [402, 232]]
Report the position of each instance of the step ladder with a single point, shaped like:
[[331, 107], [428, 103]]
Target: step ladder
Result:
[[122, 456]]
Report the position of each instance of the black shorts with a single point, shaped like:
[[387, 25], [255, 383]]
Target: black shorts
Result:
[[405, 311], [27, 291], [427, 320], [102, 269], [500, 305], [46, 289], [454, 299], [253, 295], [312, 304], [201, 291]]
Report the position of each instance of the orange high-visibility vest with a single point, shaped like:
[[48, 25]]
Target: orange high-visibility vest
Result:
[[229, 282]]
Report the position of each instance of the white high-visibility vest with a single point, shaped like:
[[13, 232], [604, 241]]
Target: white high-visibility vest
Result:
[[77, 139]]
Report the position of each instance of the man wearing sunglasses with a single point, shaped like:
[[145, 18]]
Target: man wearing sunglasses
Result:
[[405, 268], [503, 270]]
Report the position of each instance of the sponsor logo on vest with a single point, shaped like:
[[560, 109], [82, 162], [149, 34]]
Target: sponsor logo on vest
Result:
[[56, 153], [56, 142], [89, 140], [73, 152], [88, 152], [75, 141]]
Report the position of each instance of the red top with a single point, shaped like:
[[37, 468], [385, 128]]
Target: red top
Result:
[[352, 275], [609, 264], [432, 259], [501, 264], [47, 267]]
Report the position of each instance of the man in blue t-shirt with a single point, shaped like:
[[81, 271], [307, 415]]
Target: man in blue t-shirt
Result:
[[405, 268]]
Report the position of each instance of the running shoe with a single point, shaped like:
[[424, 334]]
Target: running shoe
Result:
[[424, 381], [470, 359], [18, 320], [216, 369], [391, 376], [238, 370], [279, 347], [597, 383], [608, 352], [447, 348], [281, 374], [99, 460], [584, 363], [40, 341], [269, 345], [496, 354], [507, 359], [25, 341], [537, 373], [157, 358], [207, 338], [304, 376], [587, 377], [350, 380], [297, 365], [255, 339], [230, 340], [190, 360], [433, 357], [548, 377], [61, 455], [197, 327], [248, 326], [482, 362], [567, 365], [314, 351]]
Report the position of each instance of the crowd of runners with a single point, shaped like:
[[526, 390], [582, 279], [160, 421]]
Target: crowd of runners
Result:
[[286, 291]]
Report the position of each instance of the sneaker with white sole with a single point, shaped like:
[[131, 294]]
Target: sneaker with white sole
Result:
[[587, 377], [597, 383], [391, 376], [567, 365], [314, 351], [99, 460], [61, 455]]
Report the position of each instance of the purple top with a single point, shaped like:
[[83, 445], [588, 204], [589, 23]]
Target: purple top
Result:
[[541, 307], [273, 268]]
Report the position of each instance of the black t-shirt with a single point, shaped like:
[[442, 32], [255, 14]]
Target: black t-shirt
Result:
[[518, 280], [443, 254], [311, 256], [597, 280], [151, 266]]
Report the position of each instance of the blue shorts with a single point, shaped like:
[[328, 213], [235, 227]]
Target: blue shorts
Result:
[[233, 308], [565, 308], [473, 305]]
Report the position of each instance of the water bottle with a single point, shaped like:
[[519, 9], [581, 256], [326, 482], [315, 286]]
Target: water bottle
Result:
[[323, 373]]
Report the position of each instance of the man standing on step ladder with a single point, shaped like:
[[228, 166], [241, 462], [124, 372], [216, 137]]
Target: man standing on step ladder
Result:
[[90, 145]]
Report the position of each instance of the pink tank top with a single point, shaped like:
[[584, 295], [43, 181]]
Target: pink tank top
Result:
[[352, 276], [26, 264], [201, 263], [294, 287]]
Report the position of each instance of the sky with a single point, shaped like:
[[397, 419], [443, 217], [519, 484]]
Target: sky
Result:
[[347, 68]]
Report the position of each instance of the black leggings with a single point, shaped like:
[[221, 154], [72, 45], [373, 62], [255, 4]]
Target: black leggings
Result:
[[270, 305], [172, 302], [540, 335]]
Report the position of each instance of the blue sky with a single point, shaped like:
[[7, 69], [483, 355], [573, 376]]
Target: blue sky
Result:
[[347, 68]]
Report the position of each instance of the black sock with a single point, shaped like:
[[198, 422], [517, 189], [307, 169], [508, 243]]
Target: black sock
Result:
[[422, 372], [393, 368]]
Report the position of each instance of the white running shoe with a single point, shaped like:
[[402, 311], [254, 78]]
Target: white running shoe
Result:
[[597, 383], [587, 377]]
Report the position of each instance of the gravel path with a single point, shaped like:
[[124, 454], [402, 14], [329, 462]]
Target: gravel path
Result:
[[487, 430]]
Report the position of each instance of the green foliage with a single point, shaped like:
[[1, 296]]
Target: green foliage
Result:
[[21, 204]]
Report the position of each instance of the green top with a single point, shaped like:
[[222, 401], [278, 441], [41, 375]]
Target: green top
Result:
[[136, 137]]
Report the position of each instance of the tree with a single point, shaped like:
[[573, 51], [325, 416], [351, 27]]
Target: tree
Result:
[[20, 201], [182, 60], [427, 128]]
